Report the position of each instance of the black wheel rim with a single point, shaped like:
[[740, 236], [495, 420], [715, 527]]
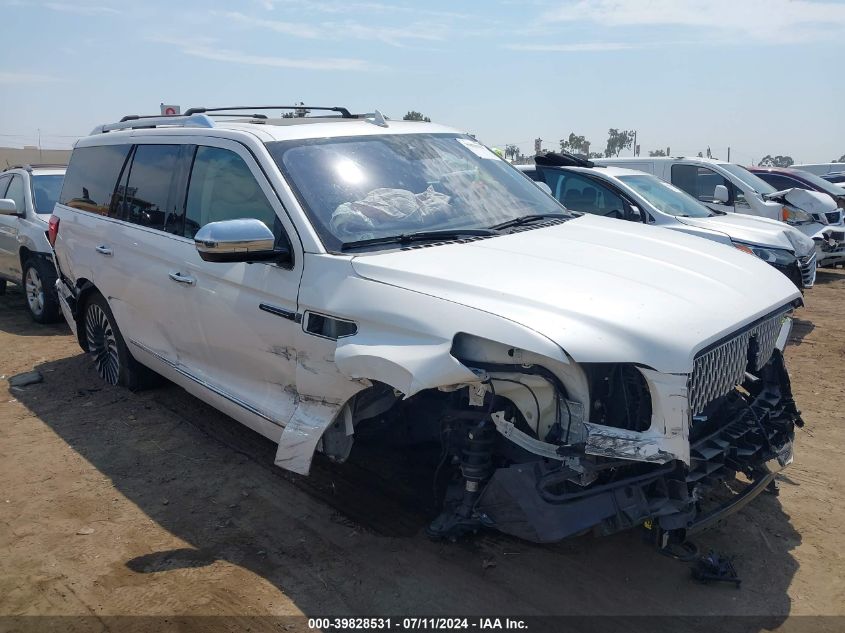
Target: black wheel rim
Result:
[[102, 344]]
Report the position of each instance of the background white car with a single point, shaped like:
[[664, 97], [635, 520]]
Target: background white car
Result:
[[27, 197], [731, 188], [640, 197]]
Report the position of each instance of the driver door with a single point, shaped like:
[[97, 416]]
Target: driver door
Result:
[[240, 332], [11, 187]]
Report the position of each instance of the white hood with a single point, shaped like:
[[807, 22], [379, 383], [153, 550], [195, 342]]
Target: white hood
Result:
[[809, 201], [755, 230], [604, 290]]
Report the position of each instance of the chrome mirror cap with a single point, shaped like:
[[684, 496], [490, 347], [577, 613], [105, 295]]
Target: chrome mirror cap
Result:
[[237, 241]]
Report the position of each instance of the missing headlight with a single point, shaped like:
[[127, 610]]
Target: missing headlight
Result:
[[619, 396]]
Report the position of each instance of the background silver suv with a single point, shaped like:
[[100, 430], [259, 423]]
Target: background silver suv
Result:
[[27, 197]]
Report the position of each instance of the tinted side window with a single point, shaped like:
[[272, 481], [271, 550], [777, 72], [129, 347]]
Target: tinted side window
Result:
[[223, 188], [15, 192], [583, 194], [780, 182], [4, 182], [148, 198], [699, 182], [91, 177]]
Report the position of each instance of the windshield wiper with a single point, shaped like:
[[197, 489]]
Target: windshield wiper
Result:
[[419, 236], [527, 219]]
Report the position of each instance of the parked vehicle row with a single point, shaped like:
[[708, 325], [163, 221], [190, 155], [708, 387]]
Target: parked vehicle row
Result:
[[731, 188], [634, 195], [326, 279]]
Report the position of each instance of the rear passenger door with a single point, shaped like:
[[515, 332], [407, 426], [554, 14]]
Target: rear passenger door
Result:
[[141, 252]]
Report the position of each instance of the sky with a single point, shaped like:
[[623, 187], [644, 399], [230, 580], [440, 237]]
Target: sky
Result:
[[759, 76]]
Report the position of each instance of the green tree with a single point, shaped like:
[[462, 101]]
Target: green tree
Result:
[[575, 144], [413, 115], [617, 140], [776, 161], [657, 152], [841, 159]]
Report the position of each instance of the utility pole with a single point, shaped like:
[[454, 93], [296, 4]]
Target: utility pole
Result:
[[40, 159], [729, 153]]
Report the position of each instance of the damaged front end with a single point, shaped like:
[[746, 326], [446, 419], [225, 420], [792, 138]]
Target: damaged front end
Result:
[[669, 451]]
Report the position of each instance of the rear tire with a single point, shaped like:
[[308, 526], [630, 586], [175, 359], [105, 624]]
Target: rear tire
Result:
[[39, 284], [107, 348]]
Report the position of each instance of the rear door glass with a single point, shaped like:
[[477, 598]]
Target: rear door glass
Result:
[[148, 197], [91, 178]]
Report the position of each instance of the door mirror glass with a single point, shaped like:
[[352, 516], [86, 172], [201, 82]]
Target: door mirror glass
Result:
[[634, 214], [543, 186], [244, 240], [721, 194], [8, 207]]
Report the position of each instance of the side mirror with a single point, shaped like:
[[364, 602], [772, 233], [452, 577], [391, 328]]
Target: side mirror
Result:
[[543, 186], [8, 207], [246, 240], [721, 194], [634, 214]]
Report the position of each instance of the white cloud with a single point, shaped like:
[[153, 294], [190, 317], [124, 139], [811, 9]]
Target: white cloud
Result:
[[581, 47], [81, 9], [774, 21], [27, 78], [204, 50], [394, 36]]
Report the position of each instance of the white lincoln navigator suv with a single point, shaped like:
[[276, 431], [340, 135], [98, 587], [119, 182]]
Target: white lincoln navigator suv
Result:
[[327, 278]]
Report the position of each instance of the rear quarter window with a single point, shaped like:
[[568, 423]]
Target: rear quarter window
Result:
[[91, 178]]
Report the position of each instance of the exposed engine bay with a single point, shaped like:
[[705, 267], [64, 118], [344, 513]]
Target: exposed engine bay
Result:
[[515, 451]]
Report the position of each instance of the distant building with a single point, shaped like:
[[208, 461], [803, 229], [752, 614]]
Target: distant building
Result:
[[30, 155]]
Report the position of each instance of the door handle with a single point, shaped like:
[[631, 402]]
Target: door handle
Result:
[[182, 279], [102, 249]]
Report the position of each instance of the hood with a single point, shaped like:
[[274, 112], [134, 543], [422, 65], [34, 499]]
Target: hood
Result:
[[603, 290], [809, 201], [755, 230]]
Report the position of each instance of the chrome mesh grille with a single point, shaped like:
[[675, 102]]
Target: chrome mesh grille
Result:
[[808, 270], [718, 370]]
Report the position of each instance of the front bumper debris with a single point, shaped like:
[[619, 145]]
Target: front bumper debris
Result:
[[748, 432]]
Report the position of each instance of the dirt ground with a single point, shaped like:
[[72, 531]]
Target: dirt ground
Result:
[[154, 504]]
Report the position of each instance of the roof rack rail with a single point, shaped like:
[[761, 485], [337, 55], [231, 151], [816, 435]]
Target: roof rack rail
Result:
[[31, 166], [134, 121], [562, 159], [344, 112]]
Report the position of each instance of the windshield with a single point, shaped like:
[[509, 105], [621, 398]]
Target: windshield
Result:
[[665, 197], [366, 187], [45, 192], [757, 184], [821, 183]]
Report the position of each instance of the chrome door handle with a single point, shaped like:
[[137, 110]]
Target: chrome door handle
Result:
[[182, 279], [102, 249]]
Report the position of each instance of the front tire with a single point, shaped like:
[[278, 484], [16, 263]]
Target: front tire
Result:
[[39, 284], [106, 347]]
